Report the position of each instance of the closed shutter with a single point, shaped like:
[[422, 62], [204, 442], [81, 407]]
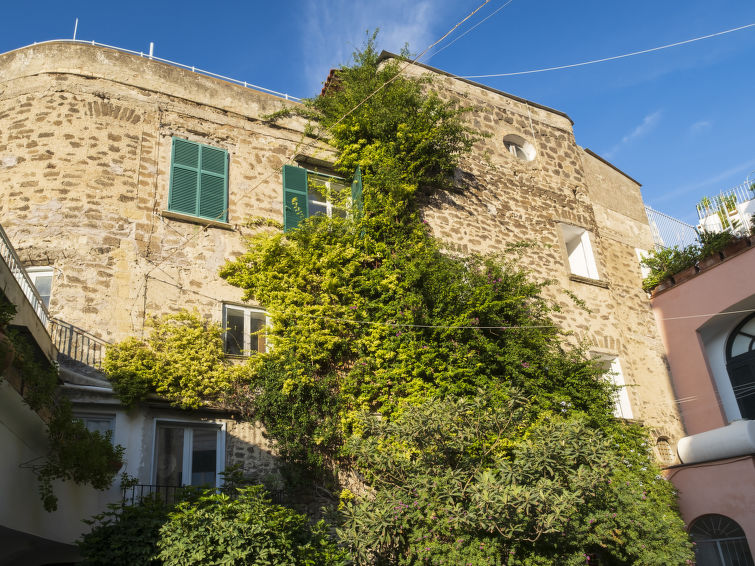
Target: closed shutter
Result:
[[295, 207], [356, 190], [184, 177], [213, 183], [199, 180]]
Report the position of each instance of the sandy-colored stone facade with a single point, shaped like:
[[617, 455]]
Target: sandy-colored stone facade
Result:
[[85, 155]]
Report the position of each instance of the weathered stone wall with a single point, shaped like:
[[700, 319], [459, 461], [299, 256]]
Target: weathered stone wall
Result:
[[85, 144], [507, 200]]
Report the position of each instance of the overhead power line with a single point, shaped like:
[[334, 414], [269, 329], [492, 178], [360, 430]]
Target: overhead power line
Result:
[[482, 21], [603, 60]]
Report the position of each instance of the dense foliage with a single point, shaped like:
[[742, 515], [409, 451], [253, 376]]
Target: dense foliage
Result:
[[455, 482], [74, 453], [182, 360], [243, 529], [667, 262], [239, 527], [442, 382]]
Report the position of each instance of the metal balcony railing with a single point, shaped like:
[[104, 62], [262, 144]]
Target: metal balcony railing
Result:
[[191, 68], [11, 259], [77, 344], [171, 494], [669, 231]]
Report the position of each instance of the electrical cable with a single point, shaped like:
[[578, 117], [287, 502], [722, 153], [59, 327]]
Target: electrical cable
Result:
[[604, 59], [469, 30]]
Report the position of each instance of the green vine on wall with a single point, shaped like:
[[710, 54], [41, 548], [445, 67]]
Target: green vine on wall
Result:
[[379, 333], [74, 453]]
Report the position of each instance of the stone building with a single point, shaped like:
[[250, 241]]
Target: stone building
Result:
[[125, 184]]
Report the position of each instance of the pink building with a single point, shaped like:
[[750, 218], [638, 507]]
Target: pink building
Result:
[[707, 323]]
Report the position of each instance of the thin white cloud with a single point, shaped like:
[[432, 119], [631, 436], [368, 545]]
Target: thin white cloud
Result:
[[713, 182], [700, 127], [331, 31], [647, 125]]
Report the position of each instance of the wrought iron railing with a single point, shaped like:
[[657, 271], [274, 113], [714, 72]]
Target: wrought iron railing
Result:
[[19, 273], [669, 231], [77, 344], [171, 494]]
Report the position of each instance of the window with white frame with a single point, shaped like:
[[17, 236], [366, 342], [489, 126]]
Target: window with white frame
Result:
[[622, 409], [642, 254], [98, 423], [579, 251], [188, 454], [519, 147], [42, 277], [244, 330]]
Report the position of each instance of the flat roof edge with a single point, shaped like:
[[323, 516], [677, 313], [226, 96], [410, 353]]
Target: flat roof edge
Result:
[[611, 165], [388, 55]]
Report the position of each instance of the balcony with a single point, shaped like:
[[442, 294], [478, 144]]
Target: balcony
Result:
[[729, 210], [171, 494]]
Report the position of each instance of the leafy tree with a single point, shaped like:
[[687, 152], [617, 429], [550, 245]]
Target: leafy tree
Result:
[[456, 483], [478, 412]]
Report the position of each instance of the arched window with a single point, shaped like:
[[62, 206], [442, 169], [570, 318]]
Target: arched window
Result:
[[740, 363], [719, 541]]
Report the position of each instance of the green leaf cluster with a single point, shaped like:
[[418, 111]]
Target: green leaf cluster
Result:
[[182, 360], [74, 453], [235, 528], [667, 262], [456, 482]]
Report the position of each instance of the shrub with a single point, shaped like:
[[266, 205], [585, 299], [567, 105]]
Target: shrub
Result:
[[245, 530]]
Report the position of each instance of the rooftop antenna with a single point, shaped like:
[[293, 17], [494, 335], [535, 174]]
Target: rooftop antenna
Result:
[[75, 27], [151, 49]]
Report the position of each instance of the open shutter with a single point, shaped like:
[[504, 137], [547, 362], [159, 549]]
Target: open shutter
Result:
[[356, 190], [184, 177], [295, 207], [213, 182]]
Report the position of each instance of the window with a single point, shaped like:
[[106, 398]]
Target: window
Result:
[[244, 330], [198, 180], [189, 454], [719, 541], [622, 409], [519, 147], [309, 193], [579, 251], [740, 363], [665, 453], [98, 423], [41, 277]]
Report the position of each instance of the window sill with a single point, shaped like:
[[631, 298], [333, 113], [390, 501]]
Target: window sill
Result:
[[196, 220], [589, 281]]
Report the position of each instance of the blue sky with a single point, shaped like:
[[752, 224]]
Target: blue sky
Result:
[[681, 121]]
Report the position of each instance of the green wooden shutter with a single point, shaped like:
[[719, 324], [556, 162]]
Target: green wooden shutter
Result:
[[199, 180], [184, 177], [213, 184], [356, 190], [295, 207]]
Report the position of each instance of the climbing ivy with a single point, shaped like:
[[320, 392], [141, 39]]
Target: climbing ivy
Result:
[[181, 360], [74, 453]]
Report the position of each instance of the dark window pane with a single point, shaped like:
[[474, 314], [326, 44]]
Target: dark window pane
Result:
[[170, 450], [204, 456], [234, 332]]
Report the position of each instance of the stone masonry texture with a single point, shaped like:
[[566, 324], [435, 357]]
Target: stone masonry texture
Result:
[[85, 149]]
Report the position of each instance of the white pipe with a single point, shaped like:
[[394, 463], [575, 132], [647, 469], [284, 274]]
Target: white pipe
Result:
[[151, 49], [75, 27]]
